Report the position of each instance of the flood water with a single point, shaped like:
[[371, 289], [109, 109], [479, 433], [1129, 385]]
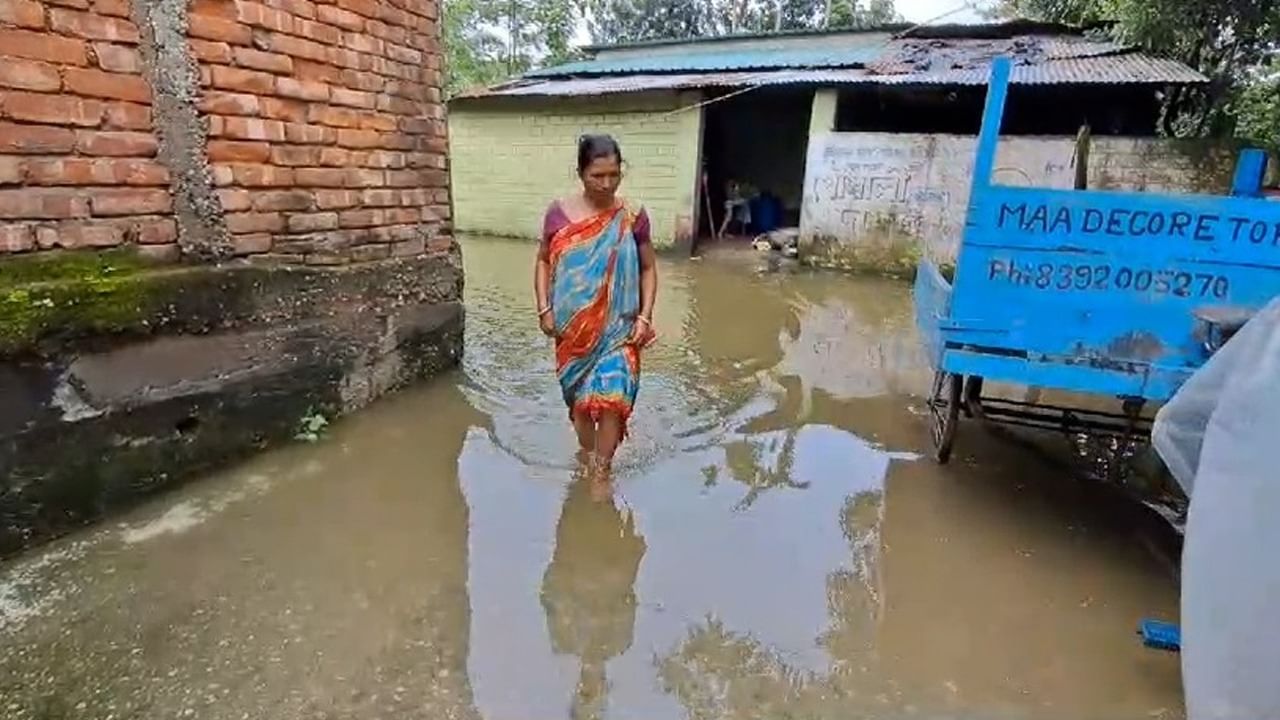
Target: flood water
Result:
[[775, 548]]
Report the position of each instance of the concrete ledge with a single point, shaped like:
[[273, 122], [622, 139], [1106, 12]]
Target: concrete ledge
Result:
[[50, 301], [208, 364]]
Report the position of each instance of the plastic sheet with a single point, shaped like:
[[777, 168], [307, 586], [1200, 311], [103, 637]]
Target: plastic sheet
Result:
[[1220, 436]]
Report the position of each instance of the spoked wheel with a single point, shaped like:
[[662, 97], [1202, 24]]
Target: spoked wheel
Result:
[[944, 411]]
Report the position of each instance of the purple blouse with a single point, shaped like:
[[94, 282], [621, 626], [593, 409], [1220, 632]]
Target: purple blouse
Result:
[[555, 220]]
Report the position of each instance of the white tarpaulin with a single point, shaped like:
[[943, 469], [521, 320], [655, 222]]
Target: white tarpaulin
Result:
[[1220, 436]]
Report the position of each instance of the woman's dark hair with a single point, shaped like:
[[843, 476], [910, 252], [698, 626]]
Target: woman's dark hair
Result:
[[594, 147]]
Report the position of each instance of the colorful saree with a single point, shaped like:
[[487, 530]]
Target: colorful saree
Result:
[[595, 298]]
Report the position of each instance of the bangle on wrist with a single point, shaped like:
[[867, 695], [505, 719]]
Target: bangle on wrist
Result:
[[544, 311], [645, 320]]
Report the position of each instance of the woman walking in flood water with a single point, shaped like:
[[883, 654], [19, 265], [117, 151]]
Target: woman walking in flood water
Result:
[[595, 282]]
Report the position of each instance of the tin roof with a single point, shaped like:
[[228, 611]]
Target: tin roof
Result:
[[987, 30], [900, 62], [929, 55], [710, 60]]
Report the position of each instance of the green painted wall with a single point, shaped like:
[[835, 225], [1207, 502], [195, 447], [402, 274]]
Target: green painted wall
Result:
[[822, 119], [512, 156]]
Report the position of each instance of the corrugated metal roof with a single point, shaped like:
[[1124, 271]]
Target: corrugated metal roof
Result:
[[566, 87], [886, 55], [987, 30], [1126, 68], [1077, 47], [705, 61]]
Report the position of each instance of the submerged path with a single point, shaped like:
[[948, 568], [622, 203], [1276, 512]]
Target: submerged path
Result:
[[775, 547]]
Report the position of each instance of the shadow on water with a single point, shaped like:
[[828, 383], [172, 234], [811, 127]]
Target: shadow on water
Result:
[[774, 547]]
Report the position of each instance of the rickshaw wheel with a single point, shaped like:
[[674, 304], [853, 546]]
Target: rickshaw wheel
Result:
[[972, 404], [944, 411]]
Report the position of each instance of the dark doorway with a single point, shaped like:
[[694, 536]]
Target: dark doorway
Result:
[[1058, 109], [758, 140]]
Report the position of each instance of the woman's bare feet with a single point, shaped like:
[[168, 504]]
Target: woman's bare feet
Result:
[[586, 464], [601, 485]]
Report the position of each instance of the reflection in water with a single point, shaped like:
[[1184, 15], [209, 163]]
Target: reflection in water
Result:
[[761, 463], [788, 556], [323, 580], [588, 591], [856, 603], [722, 674]]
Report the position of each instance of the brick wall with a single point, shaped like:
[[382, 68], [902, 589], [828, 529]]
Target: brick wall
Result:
[[77, 155], [512, 157], [297, 130]]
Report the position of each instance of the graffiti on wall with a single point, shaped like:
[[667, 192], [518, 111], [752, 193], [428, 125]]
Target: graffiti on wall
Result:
[[867, 189], [878, 189]]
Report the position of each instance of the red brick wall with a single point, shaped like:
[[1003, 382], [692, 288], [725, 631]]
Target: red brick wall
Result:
[[325, 130], [77, 155]]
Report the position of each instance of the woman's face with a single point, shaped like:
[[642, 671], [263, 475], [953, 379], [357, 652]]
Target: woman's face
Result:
[[601, 178]]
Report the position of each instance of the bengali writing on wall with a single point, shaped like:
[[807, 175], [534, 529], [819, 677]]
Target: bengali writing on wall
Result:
[[869, 186], [863, 189]]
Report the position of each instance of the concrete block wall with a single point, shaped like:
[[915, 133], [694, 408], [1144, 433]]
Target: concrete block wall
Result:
[[511, 157], [295, 130]]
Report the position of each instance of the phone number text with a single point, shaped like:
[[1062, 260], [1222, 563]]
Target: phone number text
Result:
[[1069, 277]]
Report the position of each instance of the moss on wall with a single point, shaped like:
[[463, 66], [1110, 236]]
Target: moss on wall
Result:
[[51, 300], [71, 291]]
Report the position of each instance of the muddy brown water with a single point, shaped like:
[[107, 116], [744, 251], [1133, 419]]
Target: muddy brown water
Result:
[[775, 547]]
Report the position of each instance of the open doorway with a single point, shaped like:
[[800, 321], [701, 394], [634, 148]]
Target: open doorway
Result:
[[753, 157]]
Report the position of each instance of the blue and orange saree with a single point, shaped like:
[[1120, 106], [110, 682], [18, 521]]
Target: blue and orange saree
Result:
[[595, 296]]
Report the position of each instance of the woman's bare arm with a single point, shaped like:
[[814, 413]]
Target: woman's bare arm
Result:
[[648, 280], [542, 283], [542, 294]]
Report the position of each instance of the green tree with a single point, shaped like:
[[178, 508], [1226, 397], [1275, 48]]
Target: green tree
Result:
[[798, 14], [1231, 41], [473, 51], [615, 21], [880, 12], [553, 24], [842, 14], [854, 14], [486, 41], [1257, 110], [534, 32], [632, 20]]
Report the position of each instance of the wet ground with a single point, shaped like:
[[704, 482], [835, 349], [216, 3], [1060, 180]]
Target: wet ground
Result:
[[774, 549]]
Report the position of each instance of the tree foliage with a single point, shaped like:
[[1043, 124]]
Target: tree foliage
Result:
[[1233, 42], [1257, 110], [633, 20], [486, 41], [474, 52]]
